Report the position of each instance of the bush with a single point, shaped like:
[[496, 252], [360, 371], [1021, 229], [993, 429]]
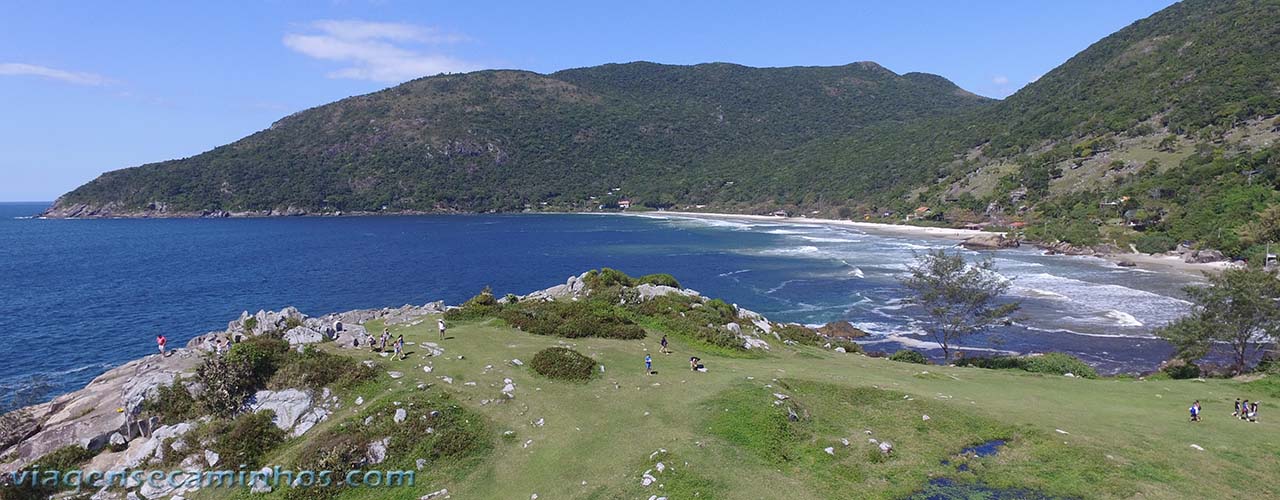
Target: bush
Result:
[[226, 386], [561, 363], [1057, 363], [1154, 243], [313, 368], [482, 305], [260, 355], [173, 403], [246, 439], [584, 318], [64, 459], [1180, 370], [658, 279], [848, 345], [909, 356], [606, 277], [1054, 363], [799, 334]]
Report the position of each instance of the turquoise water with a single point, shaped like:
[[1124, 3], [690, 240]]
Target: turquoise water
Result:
[[80, 296]]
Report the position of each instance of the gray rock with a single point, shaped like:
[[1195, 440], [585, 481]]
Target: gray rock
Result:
[[401, 415], [734, 328], [303, 335], [377, 452], [435, 494], [289, 405], [211, 457], [117, 440]]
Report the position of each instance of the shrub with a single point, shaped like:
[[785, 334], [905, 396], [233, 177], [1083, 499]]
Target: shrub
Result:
[[66, 458], [799, 334], [561, 363], [1054, 363], [173, 403], [1154, 243], [246, 439], [606, 277], [226, 385], [584, 318], [1057, 363], [659, 279], [1180, 370], [909, 356], [848, 345], [314, 368], [482, 305], [260, 355]]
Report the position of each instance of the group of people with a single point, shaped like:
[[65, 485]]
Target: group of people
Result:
[[695, 363], [1246, 410]]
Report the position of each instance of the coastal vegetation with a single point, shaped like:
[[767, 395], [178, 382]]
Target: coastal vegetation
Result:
[[562, 363], [959, 298], [1238, 308]]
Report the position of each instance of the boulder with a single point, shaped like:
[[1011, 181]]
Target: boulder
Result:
[[989, 241], [1203, 257], [352, 337], [377, 452], [400, 416], [289, 405], [646, 291], [303, 335], [841, 330]]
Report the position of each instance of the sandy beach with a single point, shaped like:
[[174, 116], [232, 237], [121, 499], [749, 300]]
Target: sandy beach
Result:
[[1159, 263]]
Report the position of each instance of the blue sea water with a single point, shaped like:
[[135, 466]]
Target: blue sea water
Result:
[[79, 296]]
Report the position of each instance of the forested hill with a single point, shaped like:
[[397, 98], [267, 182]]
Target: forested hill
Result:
[[1164, 131], [506, 140]]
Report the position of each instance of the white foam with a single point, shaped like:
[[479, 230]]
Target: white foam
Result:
[[1122, 318]]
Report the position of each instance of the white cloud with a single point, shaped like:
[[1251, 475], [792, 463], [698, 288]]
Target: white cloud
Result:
[[382, 52], [78, 78], [1000, 80]]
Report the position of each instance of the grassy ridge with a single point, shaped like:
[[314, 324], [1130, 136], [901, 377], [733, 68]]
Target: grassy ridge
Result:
[[725, 438]]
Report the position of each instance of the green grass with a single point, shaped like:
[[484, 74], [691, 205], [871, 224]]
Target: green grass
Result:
[[726, 439]]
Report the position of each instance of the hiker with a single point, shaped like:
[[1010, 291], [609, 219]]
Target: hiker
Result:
[[664, 345], [373, 342], [440, 324], [217, 347], [1236, 413], [1195, 411], [386, 335], [1253, 412], [160, 341], [648, 364], [1244, 410], [400, 346]]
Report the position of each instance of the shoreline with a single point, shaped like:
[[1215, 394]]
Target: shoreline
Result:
[[1154, 263]]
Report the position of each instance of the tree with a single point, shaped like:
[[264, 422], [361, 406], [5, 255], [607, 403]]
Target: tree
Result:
[[1239, 308], [961, 299]]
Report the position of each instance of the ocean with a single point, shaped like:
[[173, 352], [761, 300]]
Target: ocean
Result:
[[81, 296]]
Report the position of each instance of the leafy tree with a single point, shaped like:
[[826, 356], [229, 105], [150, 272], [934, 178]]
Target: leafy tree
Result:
[[1238, 308], [961, 299]]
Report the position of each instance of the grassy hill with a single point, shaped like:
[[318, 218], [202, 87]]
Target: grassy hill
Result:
[[725, 438], [479, 414]]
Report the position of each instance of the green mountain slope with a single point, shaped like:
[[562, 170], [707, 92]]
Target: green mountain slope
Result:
[[1164, 131], [498, 140]]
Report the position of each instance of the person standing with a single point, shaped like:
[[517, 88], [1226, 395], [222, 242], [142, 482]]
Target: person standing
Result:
[[440, 324], [160, 342], [664, 345], [648, 365], [399, 346], [386, 335], [1236, 413]]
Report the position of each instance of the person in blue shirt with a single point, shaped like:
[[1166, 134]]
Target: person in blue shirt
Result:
[[648, 364]]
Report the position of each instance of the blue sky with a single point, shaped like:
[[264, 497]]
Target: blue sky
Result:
[[87, 87]]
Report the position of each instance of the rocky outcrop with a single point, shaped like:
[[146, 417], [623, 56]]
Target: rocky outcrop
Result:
[[109, 405], [989, 241], [1202, 256], [574, 287], [647, 292], [295, 411], [841, 330]]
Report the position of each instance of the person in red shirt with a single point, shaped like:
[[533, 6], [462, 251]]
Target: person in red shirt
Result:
[[160, 341]]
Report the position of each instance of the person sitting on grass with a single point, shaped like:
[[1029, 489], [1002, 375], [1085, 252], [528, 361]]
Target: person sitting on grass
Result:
[[695, 364]]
